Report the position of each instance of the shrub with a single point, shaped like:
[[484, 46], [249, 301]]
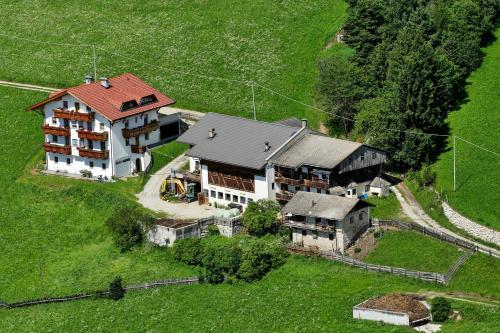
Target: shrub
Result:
[[128, 225], [440, 309], [426, 176], [220, 256], [357, 250], [261, 217], [116, 290], [187, 250], [259, 257], [378, 233], [213, 230]]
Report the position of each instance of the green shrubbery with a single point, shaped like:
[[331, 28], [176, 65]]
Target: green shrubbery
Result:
[[440, 309], [261, 217], [247, 259], [116, 290], [128, 226]]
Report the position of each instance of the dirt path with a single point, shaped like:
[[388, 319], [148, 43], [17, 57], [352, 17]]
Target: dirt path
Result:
[[412, 208], [26, 86], [149, 197], [463, 297]]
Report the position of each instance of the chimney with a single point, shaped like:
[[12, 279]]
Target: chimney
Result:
[[88, 79], [105, 82], [211, 133], [267, 146], [304, 122]]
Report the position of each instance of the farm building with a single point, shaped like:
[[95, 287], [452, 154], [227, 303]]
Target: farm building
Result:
[[237, 160], [325, 222], [104, 128]]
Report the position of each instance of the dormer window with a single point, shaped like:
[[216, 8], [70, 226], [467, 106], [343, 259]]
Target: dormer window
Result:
[[65, 104], [148, 99], [128, 105]]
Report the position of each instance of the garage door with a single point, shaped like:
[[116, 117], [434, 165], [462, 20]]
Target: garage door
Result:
[[122, 168]]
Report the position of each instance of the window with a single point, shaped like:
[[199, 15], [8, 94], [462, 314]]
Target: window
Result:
[[128, 105], [307, 189], [367, 188], [315, 234], [353, 191], [54, 121], [228, 197], [331, 236], [197, 165], [148, 99], [77, 106], [88, 108], [101, 126], [91, 144], [74, 142], [374, 155], [91, 164], [104, 166], [205, 193], [54, 138], [103, 145], [73, 124], [212, 194], [360, 216], [56, 159], [126, 123], [68, 161], [362, 156], [146, 136], [351, 219], [330, 223], [272, 186], [80, 124], [127, 142], [65, 104], [220, 195], [243, 200], [89, 126], [348, 192], [304, 232], [318, 220], [235, 198]]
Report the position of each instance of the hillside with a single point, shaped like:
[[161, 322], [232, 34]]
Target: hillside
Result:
[[478, 172], [273, 43]]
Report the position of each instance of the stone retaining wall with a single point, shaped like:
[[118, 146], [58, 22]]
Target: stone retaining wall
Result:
[[471, 227]]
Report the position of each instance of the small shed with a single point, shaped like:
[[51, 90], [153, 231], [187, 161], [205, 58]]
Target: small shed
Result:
[[167, 231]]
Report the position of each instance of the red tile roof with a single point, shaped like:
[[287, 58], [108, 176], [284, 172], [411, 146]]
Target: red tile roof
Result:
[[108, 101]]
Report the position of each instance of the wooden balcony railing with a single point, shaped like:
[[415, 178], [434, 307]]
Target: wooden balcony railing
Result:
[[132, 132], [136, 149], [288, 181], [53, 148], [284, 196], [55, 130], [308, 226], [192, 177], [74, 115], [89, 135], [90, 153], [323, 184]]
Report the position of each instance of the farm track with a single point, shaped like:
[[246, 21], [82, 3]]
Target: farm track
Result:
[[27, 86]]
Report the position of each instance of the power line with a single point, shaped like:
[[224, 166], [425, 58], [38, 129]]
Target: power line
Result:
[[44, 42], [478, 146]]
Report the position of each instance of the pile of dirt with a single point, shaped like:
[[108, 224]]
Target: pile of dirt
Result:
[[398, 303]]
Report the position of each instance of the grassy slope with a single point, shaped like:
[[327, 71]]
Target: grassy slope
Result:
[[478, 172], [411, 250], [275, 43], [385, 207], [166, 153], [304, 295]]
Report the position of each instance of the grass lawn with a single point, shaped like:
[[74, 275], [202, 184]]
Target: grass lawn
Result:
[[164, 154], [385, 208], [478, 172], [408, 249], [276, 43]]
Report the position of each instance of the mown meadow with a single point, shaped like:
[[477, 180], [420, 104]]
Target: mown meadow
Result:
[[273, 43]]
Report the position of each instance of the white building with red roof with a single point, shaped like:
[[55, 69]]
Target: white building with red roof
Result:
[[105, 127]]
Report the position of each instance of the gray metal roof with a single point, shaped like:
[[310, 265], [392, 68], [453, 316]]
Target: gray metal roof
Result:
[[238, 141], [316, 150], [380, 182], [293, 122], [326, 206]]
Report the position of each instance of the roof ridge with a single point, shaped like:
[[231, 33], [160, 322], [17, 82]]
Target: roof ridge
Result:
[[251, 120]]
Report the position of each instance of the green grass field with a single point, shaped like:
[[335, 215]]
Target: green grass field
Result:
[[478, 172], [411, 250], [385, 207], [164, 154], [274, 43]]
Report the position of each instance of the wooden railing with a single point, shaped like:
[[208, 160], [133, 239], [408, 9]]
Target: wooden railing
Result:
[[74, 115], [90, 153], [89, 135], [288, 181], [52, 148], [322, 184], [301, 225], [284, 196], [132, 132], [136, 149], [55, 130]]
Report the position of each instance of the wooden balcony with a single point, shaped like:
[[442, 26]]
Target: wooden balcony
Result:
[[58, 149], [136, 149], [284, 196], [90, 153], [132, 132], [192, 177], [55, 130], [309, 226], [74, 115], [322, 184], [288, 181], [89, 135]]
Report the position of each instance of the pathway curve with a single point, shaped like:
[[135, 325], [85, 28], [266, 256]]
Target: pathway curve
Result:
[[412, 208], [150, 196], [27, 86]]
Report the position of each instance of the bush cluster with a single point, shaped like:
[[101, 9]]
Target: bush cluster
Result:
[[247, 259], [128, 226], [440, 309], [261, 217]]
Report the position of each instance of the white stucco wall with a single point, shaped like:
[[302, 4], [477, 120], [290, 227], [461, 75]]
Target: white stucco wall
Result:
[[389, 317]]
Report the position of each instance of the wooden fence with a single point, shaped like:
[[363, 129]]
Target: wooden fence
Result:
[[99, 294], [437, 234]]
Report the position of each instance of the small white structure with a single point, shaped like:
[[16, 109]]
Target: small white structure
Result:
[[389, 317], [104, 128], [166, 232]]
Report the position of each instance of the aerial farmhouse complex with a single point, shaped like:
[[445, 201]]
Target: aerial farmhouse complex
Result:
[[240, 160], [103, 128]]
